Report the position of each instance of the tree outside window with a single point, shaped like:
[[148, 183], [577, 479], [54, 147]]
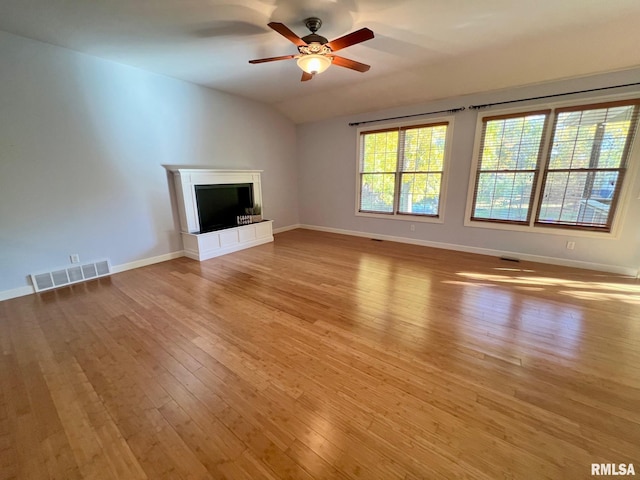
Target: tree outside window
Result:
[[401, 170]]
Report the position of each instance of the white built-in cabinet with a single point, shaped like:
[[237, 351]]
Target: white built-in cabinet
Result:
[[203, 246]]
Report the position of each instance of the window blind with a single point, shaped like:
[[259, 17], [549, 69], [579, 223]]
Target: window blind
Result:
[[401, 169], [508, 165]]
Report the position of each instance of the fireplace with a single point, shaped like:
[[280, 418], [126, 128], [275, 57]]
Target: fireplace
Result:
[[209, 203]]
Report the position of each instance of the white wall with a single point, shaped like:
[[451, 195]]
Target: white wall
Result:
[[83, 142], [327, 186]]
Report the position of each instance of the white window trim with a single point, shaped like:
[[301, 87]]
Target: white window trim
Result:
[[407, 217], [625, 193]]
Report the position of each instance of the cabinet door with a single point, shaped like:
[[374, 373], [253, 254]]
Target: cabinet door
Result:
[[209, 241], [247, 234], [229, 237], [263, 229]]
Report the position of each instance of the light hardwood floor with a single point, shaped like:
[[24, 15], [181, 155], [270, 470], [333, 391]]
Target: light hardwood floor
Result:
[[323, 356]]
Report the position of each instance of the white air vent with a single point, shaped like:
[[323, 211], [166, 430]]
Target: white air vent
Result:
[[66, 276]]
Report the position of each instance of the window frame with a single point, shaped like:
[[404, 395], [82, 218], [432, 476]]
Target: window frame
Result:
[[549, 228], [395, 215]]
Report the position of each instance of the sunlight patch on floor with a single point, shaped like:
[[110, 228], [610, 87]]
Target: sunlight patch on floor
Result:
[[584, 290], [599, 296]]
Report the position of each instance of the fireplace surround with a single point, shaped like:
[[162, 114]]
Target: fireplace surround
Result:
[[225, 237]]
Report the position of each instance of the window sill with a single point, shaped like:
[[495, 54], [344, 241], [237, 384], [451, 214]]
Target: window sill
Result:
[[404, 216], [544, 230]]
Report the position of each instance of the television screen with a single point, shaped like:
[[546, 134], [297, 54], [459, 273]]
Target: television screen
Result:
[[220, 205]]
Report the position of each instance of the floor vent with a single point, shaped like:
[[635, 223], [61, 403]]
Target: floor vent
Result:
[[510, 259], [68, 275]]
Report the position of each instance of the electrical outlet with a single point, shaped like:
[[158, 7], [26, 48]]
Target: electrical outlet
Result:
[[412, 227], [75, 258], [571, 245]]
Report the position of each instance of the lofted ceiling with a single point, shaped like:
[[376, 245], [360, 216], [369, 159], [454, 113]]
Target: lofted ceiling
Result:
[[422, 50]]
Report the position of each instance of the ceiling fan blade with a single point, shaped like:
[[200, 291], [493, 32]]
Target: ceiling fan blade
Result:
[[358, 36], [272, 59], [352, 64], [306, 76], [283, 30]]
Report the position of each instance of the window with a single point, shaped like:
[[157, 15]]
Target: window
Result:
[[401, 170], [571, 181]]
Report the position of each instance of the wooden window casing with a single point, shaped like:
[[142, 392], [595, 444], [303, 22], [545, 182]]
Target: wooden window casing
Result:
[[577, 179]]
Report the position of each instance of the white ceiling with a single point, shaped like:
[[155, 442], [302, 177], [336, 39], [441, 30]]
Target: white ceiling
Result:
[[423, 49]]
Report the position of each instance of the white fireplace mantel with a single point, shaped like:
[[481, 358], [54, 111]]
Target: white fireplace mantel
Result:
[[202, 246], [187, 178]]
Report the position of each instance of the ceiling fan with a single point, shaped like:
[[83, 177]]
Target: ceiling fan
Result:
[[316, 53]]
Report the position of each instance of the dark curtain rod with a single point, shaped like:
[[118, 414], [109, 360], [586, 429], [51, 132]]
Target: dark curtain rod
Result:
[[452, 110], [485, 105]]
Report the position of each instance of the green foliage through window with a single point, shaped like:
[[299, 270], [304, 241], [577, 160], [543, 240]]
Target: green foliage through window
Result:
[[509, 159], [401, 170]]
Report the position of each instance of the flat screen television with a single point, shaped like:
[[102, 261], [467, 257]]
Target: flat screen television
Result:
[[220, 205]]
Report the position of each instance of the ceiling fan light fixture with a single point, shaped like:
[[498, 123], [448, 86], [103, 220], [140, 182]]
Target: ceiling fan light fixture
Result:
[[314, 63]]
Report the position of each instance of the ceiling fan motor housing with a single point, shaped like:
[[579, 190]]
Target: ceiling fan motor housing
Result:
[[314, 24], [315, 38]]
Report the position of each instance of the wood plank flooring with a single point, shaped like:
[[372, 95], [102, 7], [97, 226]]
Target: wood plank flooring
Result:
[[323, 356]]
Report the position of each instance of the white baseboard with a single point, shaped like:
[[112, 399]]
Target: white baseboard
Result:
[[484, 251], [16, 292], [28, 289], [287, 228], [147, 261]]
